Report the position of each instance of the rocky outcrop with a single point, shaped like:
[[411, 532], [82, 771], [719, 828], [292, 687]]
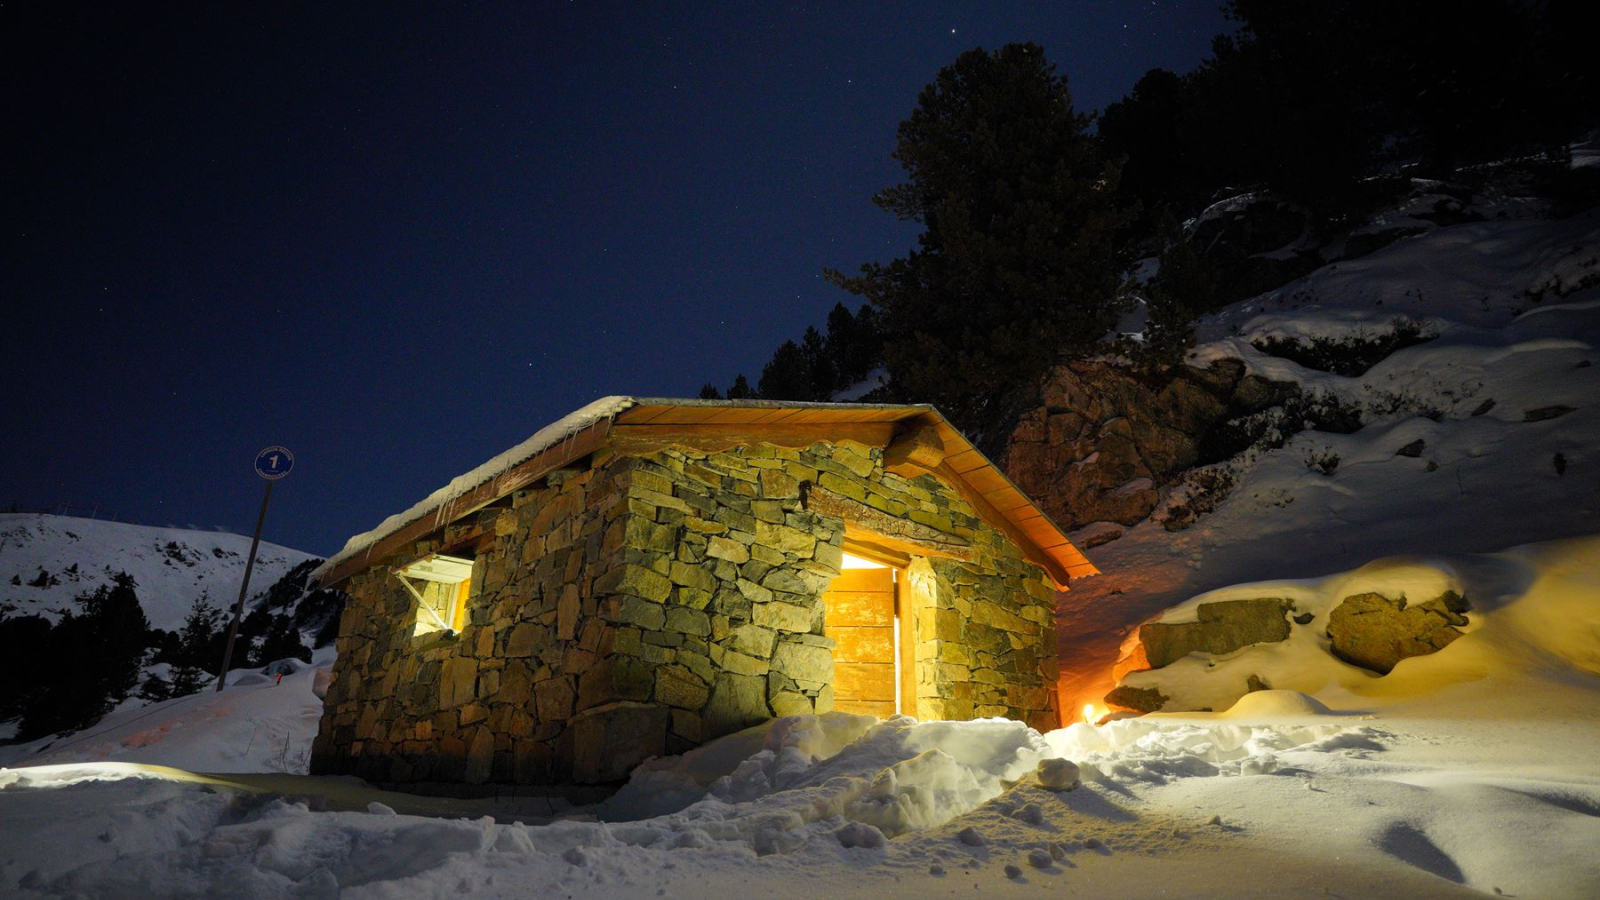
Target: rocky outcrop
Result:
[[1256, 242], [1106, 439], [1374, 632], [1133, 699], [1223, 627]]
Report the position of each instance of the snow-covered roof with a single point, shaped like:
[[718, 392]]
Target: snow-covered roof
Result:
[[438, 502], [588, 428]]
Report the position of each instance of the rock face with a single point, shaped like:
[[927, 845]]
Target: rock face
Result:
[[1105, 440], [1223, 627], [1238, 235], [1374, 632], [658, 599]]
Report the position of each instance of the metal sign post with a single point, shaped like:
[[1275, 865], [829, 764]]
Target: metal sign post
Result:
[[272, 464]]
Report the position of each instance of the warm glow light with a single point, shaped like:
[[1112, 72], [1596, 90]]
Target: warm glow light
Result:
[[1088, 713]]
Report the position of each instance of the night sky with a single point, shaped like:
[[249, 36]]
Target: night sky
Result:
[[400, 237]]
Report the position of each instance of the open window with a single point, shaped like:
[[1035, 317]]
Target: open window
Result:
[[441, 585]]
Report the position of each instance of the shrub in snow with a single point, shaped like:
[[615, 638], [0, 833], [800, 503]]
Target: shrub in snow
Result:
[[1323, 461], [1199, 492], [1040, 859], [972, 837], [1257, 433], [1013, 870], [1351, 355]]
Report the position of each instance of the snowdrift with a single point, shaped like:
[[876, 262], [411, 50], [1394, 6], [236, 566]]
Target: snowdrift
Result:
[[1466, 772]]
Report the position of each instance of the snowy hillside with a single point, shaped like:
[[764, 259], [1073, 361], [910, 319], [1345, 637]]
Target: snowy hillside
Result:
[[1484, 436], [46, 561], [1467, 773]]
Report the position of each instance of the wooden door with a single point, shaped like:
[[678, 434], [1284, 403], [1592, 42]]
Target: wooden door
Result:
[[860, 614]]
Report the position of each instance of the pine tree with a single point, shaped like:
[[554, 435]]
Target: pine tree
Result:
[[96, 654], [708, 391], [282, 641], [25, 662], [1016, 264], [1183, 288], [740, 389], [855, 344], [822, 372], [787, 376], [199, 647]]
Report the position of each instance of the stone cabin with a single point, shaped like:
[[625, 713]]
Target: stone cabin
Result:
[[646, 575]]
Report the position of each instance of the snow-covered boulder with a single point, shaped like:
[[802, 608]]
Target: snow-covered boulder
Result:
[[1374, 632]]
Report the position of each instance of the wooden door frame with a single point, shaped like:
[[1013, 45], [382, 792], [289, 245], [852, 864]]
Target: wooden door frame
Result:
[[905, 620]]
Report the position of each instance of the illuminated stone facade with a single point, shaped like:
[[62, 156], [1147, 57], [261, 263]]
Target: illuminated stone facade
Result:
[[639, 604]]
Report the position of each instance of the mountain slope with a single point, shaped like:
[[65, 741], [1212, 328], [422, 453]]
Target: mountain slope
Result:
[[46, 561], [1482, 437]]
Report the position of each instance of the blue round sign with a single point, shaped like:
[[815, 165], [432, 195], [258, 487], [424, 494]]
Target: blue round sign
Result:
[[274, 463]]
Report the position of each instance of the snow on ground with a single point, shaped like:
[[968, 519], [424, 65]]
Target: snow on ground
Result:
[[1465, 773], [256, 724], [1485, 478], [172, 566]]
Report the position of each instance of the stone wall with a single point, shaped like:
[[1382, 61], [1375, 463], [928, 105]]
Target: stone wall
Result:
[[660, 599], [492, 702]]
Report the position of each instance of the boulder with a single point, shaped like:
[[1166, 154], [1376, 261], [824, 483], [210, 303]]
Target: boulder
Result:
[[1375, 632], [1143, 700], [1224, 626], [1057, 774], [1545, 412]]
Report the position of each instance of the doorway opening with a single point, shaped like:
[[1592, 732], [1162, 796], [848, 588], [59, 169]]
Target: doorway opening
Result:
[[874, 654]]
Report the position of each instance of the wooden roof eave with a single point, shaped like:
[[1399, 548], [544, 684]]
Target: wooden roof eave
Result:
[[987, 489]]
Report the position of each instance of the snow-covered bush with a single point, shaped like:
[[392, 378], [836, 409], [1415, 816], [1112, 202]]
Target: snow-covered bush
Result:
[[1350, 355]]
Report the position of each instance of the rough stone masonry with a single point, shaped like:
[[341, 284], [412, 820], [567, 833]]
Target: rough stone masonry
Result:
[[647, 602]]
